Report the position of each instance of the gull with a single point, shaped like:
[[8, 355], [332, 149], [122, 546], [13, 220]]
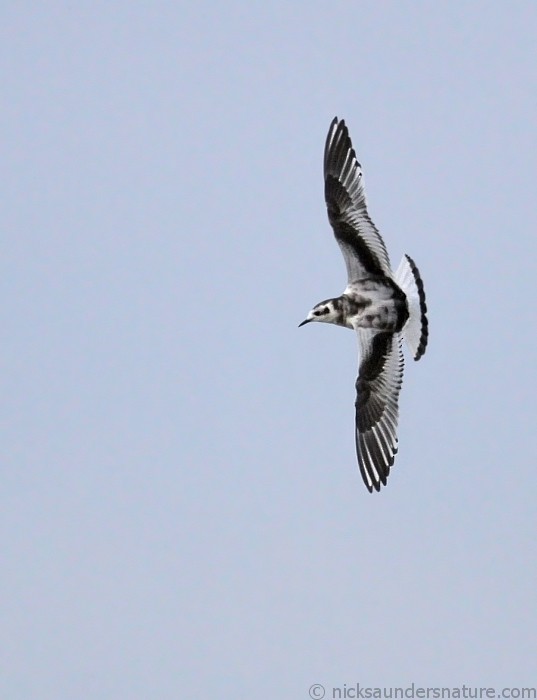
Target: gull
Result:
[[382, 307]]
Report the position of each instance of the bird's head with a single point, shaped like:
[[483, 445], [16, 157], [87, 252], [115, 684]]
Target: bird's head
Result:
[[328, 311]]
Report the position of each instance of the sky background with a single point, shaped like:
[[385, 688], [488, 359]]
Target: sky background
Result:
[[182, 515]]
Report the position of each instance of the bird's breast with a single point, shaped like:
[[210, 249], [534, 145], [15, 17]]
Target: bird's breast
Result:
[[376, 304]]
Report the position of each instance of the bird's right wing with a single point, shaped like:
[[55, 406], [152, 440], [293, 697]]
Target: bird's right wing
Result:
[[377, 404], [360, 242]]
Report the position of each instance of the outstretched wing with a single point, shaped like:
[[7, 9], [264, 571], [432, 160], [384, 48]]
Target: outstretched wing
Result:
[[362, 246], [377, 410]]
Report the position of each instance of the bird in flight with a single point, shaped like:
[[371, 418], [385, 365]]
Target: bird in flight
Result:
[[382, 307]]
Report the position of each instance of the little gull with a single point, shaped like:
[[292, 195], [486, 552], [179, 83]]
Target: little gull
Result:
[[380, 306]]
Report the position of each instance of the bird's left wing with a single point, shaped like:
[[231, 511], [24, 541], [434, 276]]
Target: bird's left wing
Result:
[[363, 249], [377, 404]]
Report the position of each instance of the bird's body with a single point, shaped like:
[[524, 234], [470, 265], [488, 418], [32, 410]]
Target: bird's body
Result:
[[368, 303], [382, 307]]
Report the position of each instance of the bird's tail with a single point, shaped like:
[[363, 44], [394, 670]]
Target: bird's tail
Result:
[[416, 329]]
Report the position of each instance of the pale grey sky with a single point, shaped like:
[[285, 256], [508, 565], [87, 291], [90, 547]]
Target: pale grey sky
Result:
[[182, 512]]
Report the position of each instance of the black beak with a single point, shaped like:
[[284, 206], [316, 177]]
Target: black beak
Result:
[[304, 322]]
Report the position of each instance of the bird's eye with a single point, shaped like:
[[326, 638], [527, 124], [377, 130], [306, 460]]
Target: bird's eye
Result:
[[316, 313]]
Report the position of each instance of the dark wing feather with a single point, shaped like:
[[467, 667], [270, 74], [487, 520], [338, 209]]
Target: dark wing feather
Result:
[[377, 410], [360, 242]]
